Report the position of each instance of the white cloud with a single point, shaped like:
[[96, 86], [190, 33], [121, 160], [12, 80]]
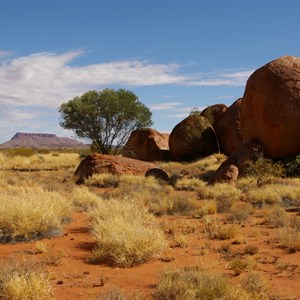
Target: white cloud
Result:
[[5, 53], [48, 79], [165, 106]]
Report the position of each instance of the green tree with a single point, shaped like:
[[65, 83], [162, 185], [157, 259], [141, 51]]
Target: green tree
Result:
[[106, 117]]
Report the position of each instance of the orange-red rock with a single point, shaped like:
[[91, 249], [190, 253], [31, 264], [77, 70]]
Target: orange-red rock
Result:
[[192, 138], [229, 130], [148, 145], [118, 165], [214, 113], [270, 110]]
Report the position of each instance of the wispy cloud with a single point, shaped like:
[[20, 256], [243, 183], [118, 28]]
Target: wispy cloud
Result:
[[47, 79], [5, 53], [165, 106]]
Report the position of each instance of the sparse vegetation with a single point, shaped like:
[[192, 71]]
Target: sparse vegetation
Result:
[[125, 234], [32, 213], [24, 280]]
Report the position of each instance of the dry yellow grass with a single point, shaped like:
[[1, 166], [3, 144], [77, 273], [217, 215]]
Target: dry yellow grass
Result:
[[40, 161], [31, 213], [84, 199], [24, 281], [125, 233]]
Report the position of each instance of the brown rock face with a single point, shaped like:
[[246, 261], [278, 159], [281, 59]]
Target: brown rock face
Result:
[[148, 145], [192, 138], [118, 165], [236, 163], [270, 109], [227, 174], [229, 130], [214, 113]]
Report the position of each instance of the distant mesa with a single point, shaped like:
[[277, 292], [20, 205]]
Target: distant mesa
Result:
[[41, 141]]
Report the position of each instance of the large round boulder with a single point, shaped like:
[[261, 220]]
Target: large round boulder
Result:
[[270, 109], [148, 145], [214, 113], [229, 129], [192, 138], [100, 163]]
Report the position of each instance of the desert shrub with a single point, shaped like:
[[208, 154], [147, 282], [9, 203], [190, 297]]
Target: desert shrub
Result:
[[246, 183], [32, 213], [238, 265], [240, 211], [255, 285], [292, 166], [208, 207], [188, 184], [277, 216], [113, 294], [263, 168], [26, 152], [289, 238], [103, 180], [192, 284], [83, 198], [24, 281], [224, 195], [125, 234], [214, 230], [273, 194]]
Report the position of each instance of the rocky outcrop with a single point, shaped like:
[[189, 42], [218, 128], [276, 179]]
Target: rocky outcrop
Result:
[[236, 164], [229, 129], [148, 145], [192, 138], [227, 174], [41, 141], [117, 165], [214, 113], [270, 110]]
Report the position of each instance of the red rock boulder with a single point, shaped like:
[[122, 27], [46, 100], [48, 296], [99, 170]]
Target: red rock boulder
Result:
[[192, 138], [270, 110], [148, 145], [228, 129], [118, 165], [214, 113]]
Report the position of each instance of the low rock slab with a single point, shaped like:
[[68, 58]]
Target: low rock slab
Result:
[[100, 163]]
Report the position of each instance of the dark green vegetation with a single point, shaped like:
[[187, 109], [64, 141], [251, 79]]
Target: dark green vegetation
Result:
[[106, 117]]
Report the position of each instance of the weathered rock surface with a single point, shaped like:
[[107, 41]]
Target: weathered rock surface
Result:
[[118, 165], [239, 160], [148, 145], [270, 110], [227, 174], [41, 141], [229, 129], [158, 174], [192, 138], [214, 113]]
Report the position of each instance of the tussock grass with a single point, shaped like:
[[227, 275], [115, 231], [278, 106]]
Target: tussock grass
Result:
[[84, 199], [32, 213], [40, 161], [289, 237], [24, 281], [125, 234], [255, 285], [277, 217], [240, 212], [189, 184], [214, 230], [193, 283], [224, 195], [273, 194], [210, 163], [103, 180]]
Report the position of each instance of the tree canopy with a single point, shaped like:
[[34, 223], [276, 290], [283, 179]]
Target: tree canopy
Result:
[[105, 117]]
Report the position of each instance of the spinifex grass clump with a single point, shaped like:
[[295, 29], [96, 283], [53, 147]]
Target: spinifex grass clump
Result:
[[192, 284], [31, 213], [24, 281], [125, 234]]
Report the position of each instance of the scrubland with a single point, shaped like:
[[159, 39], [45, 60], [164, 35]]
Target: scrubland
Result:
[[132, 237]]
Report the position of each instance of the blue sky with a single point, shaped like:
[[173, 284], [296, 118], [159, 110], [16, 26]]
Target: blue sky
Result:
[[174, 55]]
